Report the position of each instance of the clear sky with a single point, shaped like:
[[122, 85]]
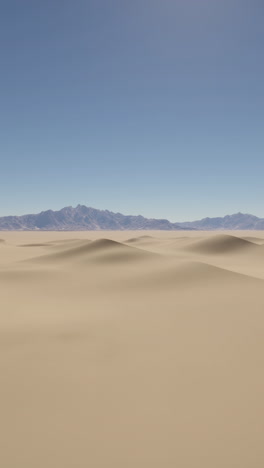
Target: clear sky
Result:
[[152, 107]]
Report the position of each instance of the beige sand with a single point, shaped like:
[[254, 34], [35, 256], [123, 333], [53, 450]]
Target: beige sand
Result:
[[132, 350]]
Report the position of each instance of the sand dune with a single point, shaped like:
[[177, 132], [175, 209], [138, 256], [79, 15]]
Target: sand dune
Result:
[[220, 244], [129, 350], [20, 275], [188, 276], [101, 250], [256, 240]]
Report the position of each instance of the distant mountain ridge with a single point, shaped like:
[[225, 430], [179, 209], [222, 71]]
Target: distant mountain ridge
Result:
[[238, 221], [82, 218]]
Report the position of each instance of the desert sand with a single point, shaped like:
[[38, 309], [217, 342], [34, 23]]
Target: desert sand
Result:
[[132, 349]]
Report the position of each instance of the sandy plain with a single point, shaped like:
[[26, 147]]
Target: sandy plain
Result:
[[132, 349]]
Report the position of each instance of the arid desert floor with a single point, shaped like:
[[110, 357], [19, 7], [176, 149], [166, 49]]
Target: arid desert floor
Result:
[[132, 349]]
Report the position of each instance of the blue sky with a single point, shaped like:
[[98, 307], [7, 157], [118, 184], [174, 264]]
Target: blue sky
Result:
[[143, 106]]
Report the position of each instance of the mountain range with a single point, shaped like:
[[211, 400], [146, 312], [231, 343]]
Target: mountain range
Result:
[[238, 221], [85, 218]]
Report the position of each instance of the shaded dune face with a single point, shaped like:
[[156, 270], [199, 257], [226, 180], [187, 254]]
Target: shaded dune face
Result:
[[221, 244], [33, 245], [58, 244], [255, 240], [138, 239]]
